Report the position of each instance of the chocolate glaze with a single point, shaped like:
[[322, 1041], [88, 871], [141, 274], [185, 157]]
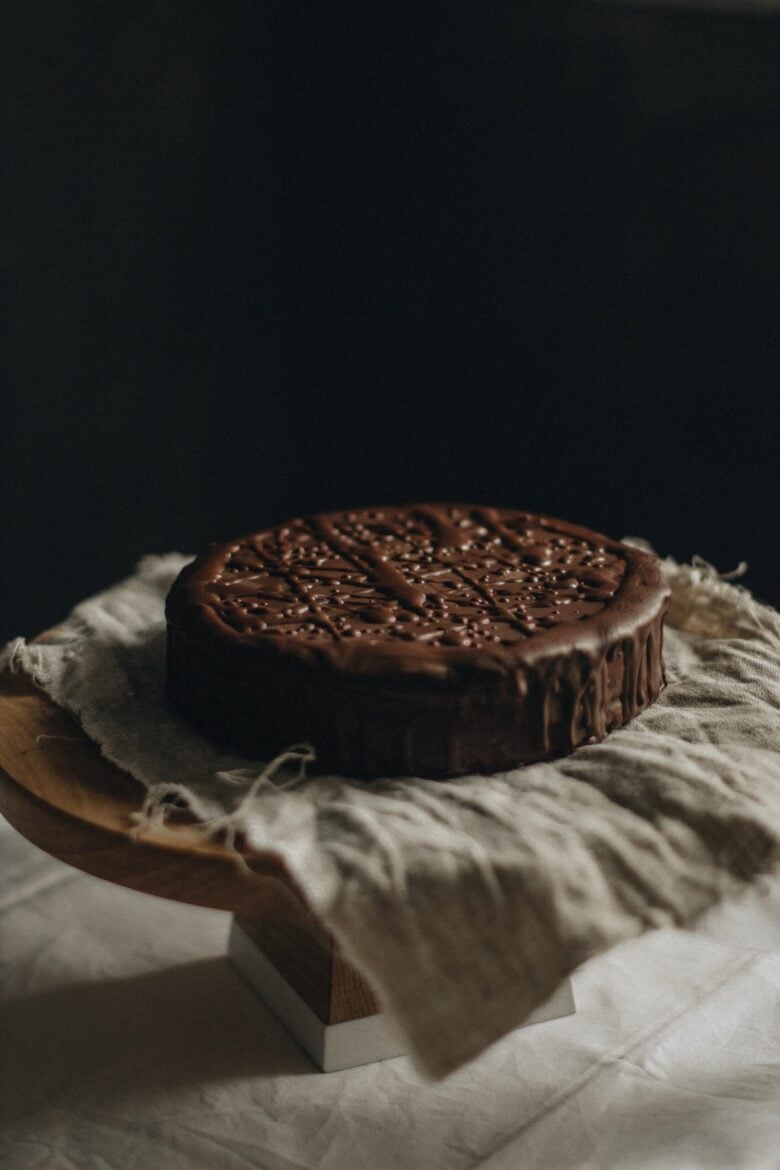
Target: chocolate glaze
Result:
[[431, 639]]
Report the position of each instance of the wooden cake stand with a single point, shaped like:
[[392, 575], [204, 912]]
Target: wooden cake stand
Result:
[[65, 797]]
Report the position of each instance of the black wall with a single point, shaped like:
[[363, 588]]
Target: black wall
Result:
[[265, 258]]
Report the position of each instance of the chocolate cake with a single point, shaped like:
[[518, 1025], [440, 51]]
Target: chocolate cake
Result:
[[427, 640]]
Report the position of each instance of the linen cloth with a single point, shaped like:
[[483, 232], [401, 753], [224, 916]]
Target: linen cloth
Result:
[[129, 1042], [465, 902]]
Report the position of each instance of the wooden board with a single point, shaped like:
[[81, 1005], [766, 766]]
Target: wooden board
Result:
[[64, 796]]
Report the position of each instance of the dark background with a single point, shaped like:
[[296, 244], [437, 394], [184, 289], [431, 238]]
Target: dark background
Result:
[[268, 258]]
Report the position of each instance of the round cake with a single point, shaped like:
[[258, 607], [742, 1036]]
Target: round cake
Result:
[[424, 640]]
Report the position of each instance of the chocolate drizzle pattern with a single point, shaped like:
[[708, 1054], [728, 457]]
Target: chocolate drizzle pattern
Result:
[[444, 575], [424, 640]]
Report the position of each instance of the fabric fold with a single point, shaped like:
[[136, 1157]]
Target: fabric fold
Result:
[[465, 902]]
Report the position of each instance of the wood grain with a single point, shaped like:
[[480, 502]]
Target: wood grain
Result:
[[57, 790]]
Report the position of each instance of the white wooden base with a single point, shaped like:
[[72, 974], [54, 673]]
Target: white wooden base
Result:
[[355, 1042]]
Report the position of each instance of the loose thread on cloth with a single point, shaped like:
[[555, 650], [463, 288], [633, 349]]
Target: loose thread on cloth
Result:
[[163, 799], [11, 656], [40, 739], [62, 738], [700, 585]]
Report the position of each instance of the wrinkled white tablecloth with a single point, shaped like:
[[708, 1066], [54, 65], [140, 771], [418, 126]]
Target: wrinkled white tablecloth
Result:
[[129, 1043]]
